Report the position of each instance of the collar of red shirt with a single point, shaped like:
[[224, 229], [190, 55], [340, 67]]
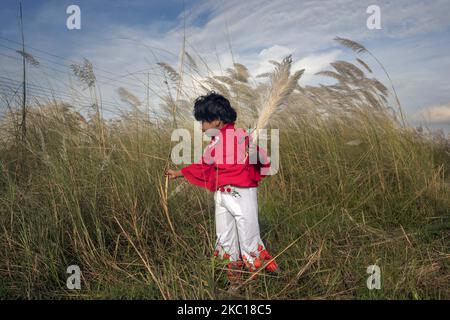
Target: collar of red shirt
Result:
[[229, 125], [226, 126]]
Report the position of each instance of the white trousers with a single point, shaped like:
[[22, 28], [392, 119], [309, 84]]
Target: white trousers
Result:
[[237, 227]]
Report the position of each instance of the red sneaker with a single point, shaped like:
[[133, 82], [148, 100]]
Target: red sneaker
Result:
[[272, 267]]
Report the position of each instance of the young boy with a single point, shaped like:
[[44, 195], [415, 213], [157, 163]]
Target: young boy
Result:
[[226, 170]]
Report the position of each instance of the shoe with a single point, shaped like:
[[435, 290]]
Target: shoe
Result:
[[272, 267]]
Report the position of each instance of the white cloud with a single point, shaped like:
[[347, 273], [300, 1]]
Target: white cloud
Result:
[[435, 114], [315, 63], [275, 52]]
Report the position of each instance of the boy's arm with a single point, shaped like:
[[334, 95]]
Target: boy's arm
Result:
[[259, 155], [174, 173], [263, 162], [202, 173], [198, 174]]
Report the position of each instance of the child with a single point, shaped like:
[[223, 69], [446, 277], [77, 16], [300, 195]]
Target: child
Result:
[[225, 169]]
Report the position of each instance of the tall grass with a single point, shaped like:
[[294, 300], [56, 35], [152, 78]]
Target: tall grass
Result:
[[355, 188]]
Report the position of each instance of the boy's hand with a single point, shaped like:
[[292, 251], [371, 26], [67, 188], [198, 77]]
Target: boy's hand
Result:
[[173, 173]]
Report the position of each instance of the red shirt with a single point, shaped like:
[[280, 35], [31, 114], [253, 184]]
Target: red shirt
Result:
[[225, 162]]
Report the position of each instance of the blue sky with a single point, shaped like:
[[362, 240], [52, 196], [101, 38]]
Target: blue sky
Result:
[[122, 37]]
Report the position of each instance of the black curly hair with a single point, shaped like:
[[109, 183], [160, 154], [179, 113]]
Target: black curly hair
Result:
[[214, 106]]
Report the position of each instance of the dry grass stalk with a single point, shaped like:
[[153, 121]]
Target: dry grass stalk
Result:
[[143, 259]]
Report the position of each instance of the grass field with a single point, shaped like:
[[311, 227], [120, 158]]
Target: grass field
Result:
[[357, 186]]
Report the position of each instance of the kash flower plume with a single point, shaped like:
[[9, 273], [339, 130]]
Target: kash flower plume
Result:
[[282, 85]]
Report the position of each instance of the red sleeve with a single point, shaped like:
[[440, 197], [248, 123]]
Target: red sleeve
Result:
[[262, 160], [199, 174]]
